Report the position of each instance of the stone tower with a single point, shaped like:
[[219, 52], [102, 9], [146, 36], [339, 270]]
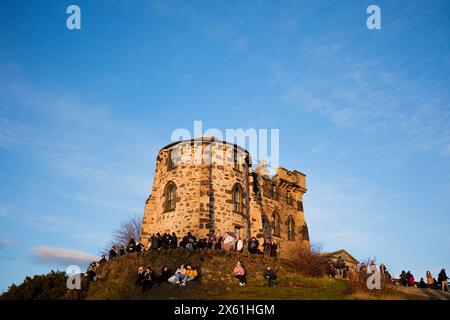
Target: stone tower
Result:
[[204, 185]]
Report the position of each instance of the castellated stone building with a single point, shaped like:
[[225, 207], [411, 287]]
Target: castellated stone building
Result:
[[204, 185]]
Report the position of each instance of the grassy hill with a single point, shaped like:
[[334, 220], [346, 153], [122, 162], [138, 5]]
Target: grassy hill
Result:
[[116, 280]]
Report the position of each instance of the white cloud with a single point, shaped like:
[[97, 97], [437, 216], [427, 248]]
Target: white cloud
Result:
[[61, 256], [5, 243]]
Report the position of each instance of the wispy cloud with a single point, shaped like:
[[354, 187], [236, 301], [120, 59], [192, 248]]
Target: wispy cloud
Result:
[[378, 101], [5, 243], [61, 256]]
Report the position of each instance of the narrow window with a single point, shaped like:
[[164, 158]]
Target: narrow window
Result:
[[170, 196], [276, 224], [170, 162], [290, 225], [237, 199]]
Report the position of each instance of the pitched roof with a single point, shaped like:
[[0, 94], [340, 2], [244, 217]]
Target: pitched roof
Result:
[[341, 251]]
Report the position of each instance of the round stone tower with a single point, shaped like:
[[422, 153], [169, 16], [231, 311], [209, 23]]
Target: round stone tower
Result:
[[204, 185], [200, 185]]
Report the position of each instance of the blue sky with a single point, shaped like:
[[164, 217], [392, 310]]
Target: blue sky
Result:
[[365, 114]]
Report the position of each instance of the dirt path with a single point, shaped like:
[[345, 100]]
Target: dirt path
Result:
[[433, 294]]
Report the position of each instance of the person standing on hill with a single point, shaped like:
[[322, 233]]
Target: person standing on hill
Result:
[[273, 249], [340, 264], [218, 241], [430, 279], [267, 247], [253, 245], [227, 242], [173, 241], [270, 276], [239, 245], [239, 273], [411, 281], [443, 280]]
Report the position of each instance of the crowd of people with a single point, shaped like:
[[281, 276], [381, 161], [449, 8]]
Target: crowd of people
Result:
[[339, 269], [407, 279], [227, 242], [147, 278]]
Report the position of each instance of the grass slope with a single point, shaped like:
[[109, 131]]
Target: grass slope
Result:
[[116, 279]]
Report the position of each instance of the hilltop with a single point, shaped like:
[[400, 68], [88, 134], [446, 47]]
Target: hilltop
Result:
[[116, 279]]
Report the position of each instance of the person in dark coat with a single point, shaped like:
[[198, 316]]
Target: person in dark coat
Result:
[[165, 243], [340, 265], [273, 249], [208, 242], [201, 244], [270, 276], [155, 242], [112, 253], [267, 247], [173, 241], [131, 246], [253, 245], [147, 280], [102, 260], [443, 280], [140, 277], [219, 241], [165, 275]]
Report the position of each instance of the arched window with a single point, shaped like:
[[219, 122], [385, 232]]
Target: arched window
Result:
[[290, 228], [170, 193], [276, 224], [237, 198]]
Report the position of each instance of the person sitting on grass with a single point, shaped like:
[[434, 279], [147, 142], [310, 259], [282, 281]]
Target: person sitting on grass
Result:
[[131, 246], [239, 273], [140, 276], [112, 253], [165, 275], [147, 279], [190, 275], [270, 276], [179, 275]]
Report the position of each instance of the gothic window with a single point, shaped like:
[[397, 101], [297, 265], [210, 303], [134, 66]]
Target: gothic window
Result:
[[170, 194], [237, 198], [290, 228], [276, 224]]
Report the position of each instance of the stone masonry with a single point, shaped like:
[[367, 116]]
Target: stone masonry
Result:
[[206, 186]]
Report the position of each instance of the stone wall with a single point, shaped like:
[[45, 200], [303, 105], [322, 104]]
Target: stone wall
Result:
[[205, 172]]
